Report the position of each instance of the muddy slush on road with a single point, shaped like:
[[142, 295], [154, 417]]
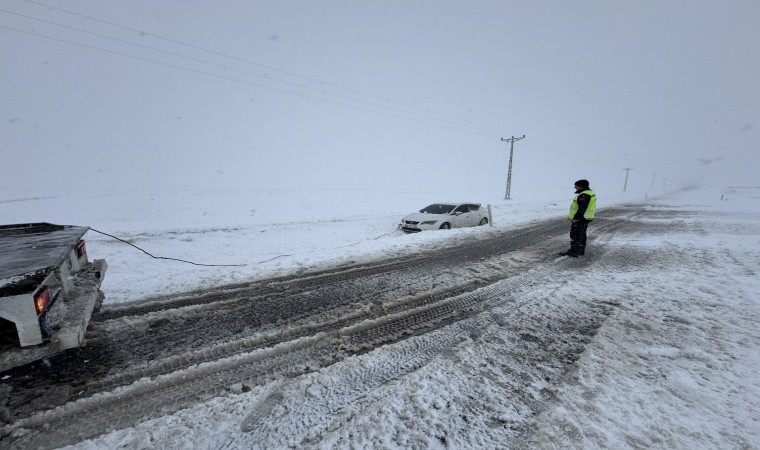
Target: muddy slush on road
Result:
[[153, 357]]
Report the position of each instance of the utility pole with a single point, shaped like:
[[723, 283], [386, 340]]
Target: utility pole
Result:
[[653, 174], [627, 169], [509, 172]]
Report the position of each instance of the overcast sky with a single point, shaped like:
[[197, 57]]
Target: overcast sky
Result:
[[365, 95]]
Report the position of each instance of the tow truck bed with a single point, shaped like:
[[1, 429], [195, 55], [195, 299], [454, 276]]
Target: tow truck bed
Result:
[[48, 290]]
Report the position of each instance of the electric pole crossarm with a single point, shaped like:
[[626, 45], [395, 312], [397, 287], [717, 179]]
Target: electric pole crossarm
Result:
[[512, 140]]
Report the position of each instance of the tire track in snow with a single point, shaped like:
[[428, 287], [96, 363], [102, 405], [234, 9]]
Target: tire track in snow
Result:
[[548, 339], [265, 423], [148, 398]]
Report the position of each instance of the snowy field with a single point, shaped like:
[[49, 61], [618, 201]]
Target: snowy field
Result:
[[674, 366]]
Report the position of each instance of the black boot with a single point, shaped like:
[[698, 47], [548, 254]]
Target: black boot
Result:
[[574, 250]]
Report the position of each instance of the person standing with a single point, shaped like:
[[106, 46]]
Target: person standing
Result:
[[582, 211]]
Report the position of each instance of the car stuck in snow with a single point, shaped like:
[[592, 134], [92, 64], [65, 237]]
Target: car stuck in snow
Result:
[[445, 216]]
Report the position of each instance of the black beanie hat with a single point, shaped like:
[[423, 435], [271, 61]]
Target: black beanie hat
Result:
[[582, 183]]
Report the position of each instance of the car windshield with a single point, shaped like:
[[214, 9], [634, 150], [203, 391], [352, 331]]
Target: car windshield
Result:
[[437, 208]]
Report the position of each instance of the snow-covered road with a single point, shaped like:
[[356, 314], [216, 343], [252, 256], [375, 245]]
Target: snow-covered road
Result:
[[486, 341]]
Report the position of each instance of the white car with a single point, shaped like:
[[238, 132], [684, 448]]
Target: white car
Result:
[[444, 216]]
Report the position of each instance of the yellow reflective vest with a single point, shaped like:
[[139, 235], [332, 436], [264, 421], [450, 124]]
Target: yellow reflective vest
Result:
[[589, 213]]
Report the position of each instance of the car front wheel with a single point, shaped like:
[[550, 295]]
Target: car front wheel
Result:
[[446, 226], [483, 221]]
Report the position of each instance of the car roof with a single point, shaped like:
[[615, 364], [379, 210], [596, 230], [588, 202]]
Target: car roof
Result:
[[455, 203]]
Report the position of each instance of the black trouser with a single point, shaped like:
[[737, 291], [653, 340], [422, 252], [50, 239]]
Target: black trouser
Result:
[[578, 236]]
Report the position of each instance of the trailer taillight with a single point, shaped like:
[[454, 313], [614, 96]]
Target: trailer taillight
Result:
[[42, 299], [81, 249]]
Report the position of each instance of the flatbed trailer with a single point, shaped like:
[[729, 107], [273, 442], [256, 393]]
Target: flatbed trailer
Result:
[[48, 291]]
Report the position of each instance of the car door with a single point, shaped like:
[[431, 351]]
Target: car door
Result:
[[474, 215], [459, 217]]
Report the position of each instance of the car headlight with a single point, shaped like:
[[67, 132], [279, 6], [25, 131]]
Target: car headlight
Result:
[[428, 222]]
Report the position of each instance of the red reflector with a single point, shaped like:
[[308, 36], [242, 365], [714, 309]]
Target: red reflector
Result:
[[81, 249], [42, 299]]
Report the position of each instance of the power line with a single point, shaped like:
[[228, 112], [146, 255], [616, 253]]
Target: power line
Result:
[[144, 33], [229, 67], [240, 81]]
